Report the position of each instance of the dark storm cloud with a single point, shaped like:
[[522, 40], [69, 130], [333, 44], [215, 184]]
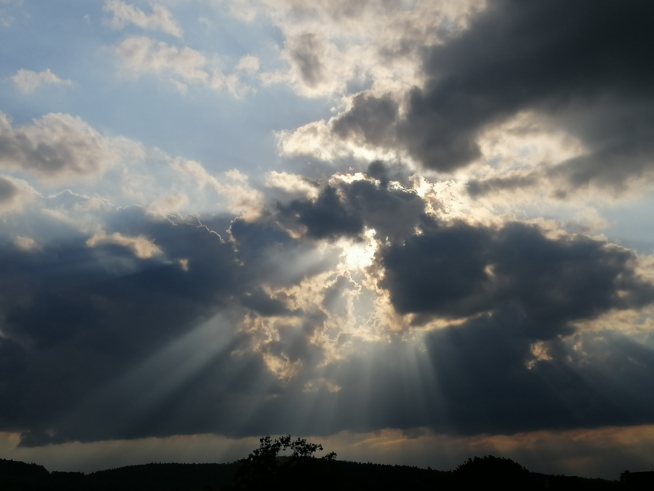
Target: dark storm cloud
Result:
[[486, 385], [77, 320], [386, 173], [344, 210], [99, 344], [324, 218], [584, 65], [460, 271], [475, 378]]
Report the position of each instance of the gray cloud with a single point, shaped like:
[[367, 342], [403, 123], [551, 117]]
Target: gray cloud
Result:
[[371, 120], [324, 218], [386, 173], [55, 146], [8, 190], [101, 343], [474, 379], [583, 65], [305, 52], [460, 271], [488, 186], [345, 209], [74, 318]]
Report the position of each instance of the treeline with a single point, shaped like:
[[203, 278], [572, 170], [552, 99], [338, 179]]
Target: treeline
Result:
[[308, 474]]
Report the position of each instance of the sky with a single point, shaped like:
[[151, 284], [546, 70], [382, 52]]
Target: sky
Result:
[[414, 231]]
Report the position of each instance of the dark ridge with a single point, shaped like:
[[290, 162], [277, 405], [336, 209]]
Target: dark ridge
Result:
[[474, 473]]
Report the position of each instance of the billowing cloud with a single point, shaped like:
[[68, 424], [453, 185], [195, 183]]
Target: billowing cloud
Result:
[[28, 81], [330, 45], [591, 85], [461, 271], [161, 19], [56, 146], [239, 321], [345, 209]]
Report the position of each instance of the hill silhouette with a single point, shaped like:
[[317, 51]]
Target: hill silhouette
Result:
[[19, 476], [265, 468]]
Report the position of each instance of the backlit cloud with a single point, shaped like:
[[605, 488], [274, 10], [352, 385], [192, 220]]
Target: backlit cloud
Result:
[[420, 230]]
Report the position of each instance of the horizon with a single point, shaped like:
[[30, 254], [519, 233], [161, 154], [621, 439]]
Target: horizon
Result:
[[413, 231], [325, 451]]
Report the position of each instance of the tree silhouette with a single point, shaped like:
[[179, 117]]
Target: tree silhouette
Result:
[[264, 467], [490, 470]]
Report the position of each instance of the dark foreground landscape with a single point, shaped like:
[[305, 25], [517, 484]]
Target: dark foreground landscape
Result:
[[265, 469], [19, 476]]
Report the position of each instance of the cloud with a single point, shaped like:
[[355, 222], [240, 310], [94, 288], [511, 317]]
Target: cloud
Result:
[[183, 65], [345, 209], [241, 328], [7, 19], [291, 183], [141, 53], [331, 47], [305, 51], [128, 295], [597, 88], [248, 63], [370, 120], [161, 19], [27, 244], [229, 303], [56, 146], [242, 199], [326, 217], [28, 81], [142, 247], [14, 194], [461, 271]]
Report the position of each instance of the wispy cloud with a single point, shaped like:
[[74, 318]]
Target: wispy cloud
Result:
[[182, 65], [28, 81], [161, 19]]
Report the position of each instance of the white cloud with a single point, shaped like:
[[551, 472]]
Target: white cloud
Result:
[[141, 53], [329, 43], [183, 65], [317, 140], [292, 184], [242, 199], [28, 81], [167, 204], [161, 19], [248, 63]]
